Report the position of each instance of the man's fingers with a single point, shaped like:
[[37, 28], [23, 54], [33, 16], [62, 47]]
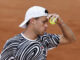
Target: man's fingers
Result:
[[52, 15], [49, 16]]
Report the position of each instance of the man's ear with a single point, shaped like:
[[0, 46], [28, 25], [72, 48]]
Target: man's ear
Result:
[[32, 20]]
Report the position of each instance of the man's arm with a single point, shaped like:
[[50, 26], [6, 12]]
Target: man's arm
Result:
[[67, 34]]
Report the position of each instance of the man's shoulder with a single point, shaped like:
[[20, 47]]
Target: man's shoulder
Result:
[[15, 39], [49, 37]]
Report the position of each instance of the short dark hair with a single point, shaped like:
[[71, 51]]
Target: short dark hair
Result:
[[27, 23]]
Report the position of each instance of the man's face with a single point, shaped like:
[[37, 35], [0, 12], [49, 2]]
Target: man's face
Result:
[[41, 25]]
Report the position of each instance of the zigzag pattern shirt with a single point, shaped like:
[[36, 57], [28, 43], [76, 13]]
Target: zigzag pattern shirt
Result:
[[20, 48]]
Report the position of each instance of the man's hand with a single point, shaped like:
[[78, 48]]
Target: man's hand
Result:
[[58, 19]]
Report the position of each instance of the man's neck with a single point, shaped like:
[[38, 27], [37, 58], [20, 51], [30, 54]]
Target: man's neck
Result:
[[30, 34]]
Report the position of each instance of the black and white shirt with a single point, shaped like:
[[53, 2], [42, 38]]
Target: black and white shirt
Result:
[[21, 48]]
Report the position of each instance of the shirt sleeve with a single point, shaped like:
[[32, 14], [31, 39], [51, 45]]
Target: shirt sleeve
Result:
[[50, 40]]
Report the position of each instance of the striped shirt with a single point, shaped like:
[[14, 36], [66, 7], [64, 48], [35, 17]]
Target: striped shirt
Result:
[[21, 48]]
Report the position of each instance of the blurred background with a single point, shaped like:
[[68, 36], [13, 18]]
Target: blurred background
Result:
[[12, 13]]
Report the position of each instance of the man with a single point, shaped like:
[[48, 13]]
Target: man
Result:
[[34, 42]]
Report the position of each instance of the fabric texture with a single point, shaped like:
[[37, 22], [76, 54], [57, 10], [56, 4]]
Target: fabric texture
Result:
[[19, 48]]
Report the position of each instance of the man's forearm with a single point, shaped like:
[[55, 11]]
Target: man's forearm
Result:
[[67, 32]]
